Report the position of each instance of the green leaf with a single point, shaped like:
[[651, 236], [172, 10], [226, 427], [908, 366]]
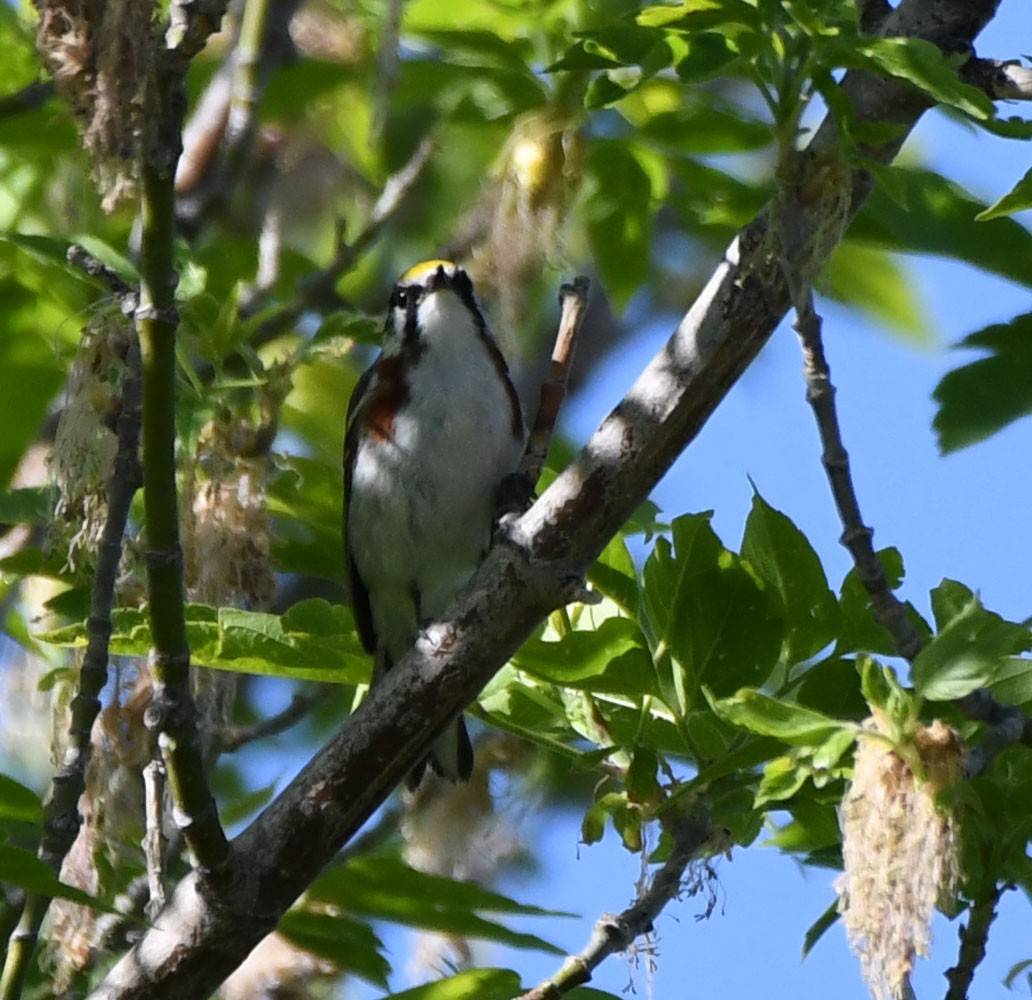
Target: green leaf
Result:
[[814, 827], [832, 686], [697, 598], [939, 218], [26, 506], [1016, 200], [981, 398], [921, 63], [32, 373], [383, 888], [783, 557], [859, 631], [484, 984], [23, 869], [1015, 971], [877, 284], [642, 781], [699, 15], [620, 202], [883, 691], [611, 657], [1013, 682], [18, 803], [760, 713], [709, 54], [350, 944], [782, 778], [968, 652], [615, 576], [816, 930], [314, 640]]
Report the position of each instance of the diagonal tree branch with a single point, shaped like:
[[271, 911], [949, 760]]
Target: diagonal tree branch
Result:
[[614, 934], [201, 935]]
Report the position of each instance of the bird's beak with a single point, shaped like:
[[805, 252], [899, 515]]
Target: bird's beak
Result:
[[438, 280]]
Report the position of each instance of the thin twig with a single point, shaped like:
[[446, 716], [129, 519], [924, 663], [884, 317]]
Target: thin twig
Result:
[[615, 933], [317, 290], [973, 940], [235, 737], [153, 841], [887, 609], [573, 300], [128, 295], [1006, 724], [61, 819]]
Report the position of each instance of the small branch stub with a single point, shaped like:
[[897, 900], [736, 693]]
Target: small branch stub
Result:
[[573, 300]]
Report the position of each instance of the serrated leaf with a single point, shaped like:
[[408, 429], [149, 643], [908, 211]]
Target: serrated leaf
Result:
[[760, 713], [610, 657], [22, 868], [923, 64], [982, 397], [940, 219], [967, 653], [1013, 682], [783, 557], [890, 701], [782, 778], [314, 640], [697, 597]]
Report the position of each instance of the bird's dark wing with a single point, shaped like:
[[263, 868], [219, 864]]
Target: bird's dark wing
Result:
[[360, 608]]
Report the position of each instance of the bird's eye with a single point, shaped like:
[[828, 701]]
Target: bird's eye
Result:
[[399, 298]]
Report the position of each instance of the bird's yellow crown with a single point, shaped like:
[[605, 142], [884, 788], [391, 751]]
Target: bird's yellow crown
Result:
[[415, 274]]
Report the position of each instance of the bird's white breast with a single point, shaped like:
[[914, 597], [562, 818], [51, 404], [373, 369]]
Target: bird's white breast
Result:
[[422, 500]]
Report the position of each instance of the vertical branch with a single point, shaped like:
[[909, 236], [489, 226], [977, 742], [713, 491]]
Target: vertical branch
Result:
[[573, 300], [61, 819], [888, 610], [973, 939], [172, 713]]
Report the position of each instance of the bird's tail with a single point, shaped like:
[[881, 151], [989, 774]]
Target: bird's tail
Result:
[[450, 757]]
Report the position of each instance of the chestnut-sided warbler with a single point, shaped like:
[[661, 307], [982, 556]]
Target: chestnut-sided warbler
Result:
[[433, 428]]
